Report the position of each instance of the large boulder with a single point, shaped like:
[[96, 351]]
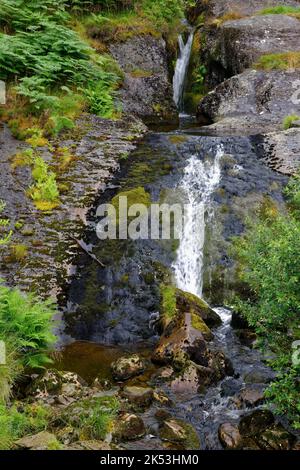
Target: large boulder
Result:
[[186, 302], [252, 102], [236, 45], [147, 90], [218, 8], [229, 436]]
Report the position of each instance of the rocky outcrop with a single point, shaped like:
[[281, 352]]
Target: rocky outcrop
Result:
[[217, 8], [147, 90], [236, 45], [252, 102]]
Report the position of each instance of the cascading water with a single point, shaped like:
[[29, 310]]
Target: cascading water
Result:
[[181, 69], [200, 179]]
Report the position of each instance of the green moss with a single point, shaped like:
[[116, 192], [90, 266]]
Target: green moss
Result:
[[139, 73], [289, 120], [281, 61], [177, 139], [168, 308], [134, 196], [18, 252], [199, 324]]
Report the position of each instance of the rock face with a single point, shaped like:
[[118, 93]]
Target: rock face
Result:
[[251, 102], [219, 8], [236, 45], [147, 90]]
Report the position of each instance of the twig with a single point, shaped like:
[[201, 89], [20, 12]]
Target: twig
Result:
[[86, 250]]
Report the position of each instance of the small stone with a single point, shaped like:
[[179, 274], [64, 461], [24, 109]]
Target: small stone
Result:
[[141, 397], [178, 432], [229, 436], [95, 445], [129, 427], [42, 440], [251, 396], [127, 367]]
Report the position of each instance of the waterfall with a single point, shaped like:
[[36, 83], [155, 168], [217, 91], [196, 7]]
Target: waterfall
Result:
[[181, 69], [200, 179]]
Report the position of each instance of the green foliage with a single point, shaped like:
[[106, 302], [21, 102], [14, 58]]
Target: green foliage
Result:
[[289, 120], [26, 326], [5, 235], [15, 423], [269, 263], [162, 12], [44, 191], [41, 51], [280, 10]]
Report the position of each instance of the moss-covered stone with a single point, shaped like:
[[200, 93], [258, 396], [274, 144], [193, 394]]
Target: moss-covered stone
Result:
[[179, 432]]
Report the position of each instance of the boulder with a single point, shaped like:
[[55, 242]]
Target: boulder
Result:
[[255, 422], [147, 91], [186, 302], [229, 436], [178, 432], [127, 367], [238, 321], [42, 441], [251, 396], [259, 375], [236, 45], [129, 427], [139, 397], [276, 438], [252, 102], [56, 383], [218, 8], [246, 337]]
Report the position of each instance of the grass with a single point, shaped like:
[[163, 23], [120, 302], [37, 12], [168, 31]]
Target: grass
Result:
[[281, 61], [230, 16], [281, 10], [289, 120], [5, 233], [16, 423]]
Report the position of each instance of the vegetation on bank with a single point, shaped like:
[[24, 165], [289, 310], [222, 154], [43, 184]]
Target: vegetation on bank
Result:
[[289, 121], [281, 10], [280, 61], [269, 261]]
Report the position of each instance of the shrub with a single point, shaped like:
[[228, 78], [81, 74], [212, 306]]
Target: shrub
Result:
[[269, 260], [26, 327], [44, 191]]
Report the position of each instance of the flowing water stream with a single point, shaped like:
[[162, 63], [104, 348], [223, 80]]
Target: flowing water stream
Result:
[[219, 179]]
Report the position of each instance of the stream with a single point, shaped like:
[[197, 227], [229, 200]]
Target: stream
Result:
[[113, 309]]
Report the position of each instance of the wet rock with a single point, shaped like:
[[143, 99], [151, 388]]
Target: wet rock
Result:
[[186, 302], [179, 432], [162, 398], [229, 436], [238, 321], [230, 387], [147, 91], [246, 337], [188, 381], [127, 367], [129, 427], [162, 415], [41, 441], [255, 422], [276, 438], [140, 397], [259, 376], [251, 396]]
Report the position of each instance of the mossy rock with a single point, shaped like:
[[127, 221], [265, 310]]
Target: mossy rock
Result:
[[179, 432], [199, 325], [191, 303]]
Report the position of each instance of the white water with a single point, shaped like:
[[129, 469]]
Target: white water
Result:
[[181, 69], [200, 179]]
